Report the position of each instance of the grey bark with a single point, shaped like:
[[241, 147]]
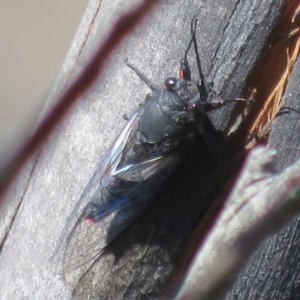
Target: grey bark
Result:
[[139, 263], [273, 270]]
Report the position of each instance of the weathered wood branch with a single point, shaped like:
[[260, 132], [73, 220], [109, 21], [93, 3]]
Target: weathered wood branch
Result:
[[139, 263]]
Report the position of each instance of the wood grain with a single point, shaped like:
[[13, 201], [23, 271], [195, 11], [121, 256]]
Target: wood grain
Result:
[[139, 263]]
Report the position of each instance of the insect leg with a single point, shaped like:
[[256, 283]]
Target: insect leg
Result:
[[185, 70], [202, 86], [286, 110], [143, 77], [216, 103]]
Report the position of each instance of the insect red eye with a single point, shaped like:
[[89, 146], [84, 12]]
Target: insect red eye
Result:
[[170, 83]]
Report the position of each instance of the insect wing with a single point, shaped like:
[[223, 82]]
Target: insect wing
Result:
[[115, 196], [110, 164], [74, 245]]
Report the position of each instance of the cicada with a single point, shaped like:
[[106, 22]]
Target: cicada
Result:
[[143, 155]]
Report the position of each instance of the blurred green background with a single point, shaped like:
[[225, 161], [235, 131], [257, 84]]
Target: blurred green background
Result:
[[35, 36]]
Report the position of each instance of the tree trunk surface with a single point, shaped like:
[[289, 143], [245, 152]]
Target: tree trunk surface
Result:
[[138, 264]]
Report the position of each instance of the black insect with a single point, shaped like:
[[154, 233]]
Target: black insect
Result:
[[145, 152]]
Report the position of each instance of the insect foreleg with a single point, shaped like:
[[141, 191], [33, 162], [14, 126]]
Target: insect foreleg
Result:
[[143, 77]]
